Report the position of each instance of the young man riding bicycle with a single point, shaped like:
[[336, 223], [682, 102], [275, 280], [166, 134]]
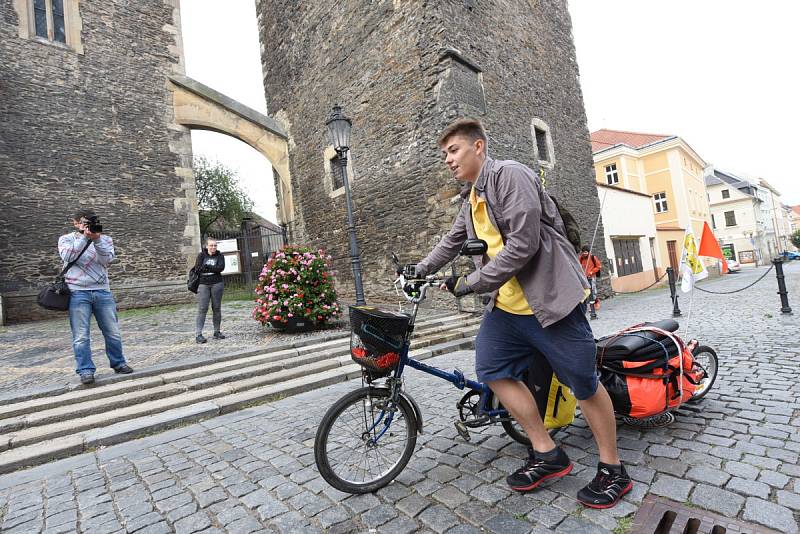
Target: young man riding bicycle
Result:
[[536, 288]]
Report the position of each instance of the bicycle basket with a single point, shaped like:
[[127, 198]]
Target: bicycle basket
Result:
[[377, 337]]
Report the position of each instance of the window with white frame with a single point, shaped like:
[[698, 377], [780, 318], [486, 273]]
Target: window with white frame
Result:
[[52, 21], [660, 200], [730, 218], [726, 193], [612, 177]]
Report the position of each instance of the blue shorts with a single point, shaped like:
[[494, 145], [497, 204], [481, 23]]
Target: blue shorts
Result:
[[506, 344]]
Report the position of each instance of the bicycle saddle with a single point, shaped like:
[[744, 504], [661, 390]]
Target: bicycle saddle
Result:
[[639, 344]]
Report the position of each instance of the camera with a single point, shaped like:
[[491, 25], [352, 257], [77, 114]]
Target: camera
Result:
[[92, 224]]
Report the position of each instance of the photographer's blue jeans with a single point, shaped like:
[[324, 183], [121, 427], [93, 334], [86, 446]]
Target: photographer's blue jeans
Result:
[[101, 304]]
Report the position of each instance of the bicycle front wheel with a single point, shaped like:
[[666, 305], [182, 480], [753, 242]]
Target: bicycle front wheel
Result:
[[364, 440]]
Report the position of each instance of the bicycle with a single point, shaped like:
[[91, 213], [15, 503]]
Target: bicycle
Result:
[[380, 423], [367, 437]]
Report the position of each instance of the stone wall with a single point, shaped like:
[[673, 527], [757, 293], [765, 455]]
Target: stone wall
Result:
[[94, 128], [402, 71]]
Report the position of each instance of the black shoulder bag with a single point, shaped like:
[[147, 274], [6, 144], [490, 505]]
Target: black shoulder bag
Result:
[[55, 296]]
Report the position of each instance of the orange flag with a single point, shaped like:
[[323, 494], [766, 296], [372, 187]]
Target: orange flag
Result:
[[709, 247]]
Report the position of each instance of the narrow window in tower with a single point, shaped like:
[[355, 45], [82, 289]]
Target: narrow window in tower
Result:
[[40, 17]]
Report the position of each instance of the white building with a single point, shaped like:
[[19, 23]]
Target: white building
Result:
[[747, 217], [630, 231]]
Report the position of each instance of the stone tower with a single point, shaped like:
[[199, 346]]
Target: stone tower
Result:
[[87, 120], [402, 70]]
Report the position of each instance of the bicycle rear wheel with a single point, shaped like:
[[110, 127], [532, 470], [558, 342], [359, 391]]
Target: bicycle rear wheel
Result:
[[358, 449], [707, 359]]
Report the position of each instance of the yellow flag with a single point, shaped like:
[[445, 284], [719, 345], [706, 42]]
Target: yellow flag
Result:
[[692, 269]]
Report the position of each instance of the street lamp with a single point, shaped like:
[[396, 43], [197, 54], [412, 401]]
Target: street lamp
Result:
[[339, 128]]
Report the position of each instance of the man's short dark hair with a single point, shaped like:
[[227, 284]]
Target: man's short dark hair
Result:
[[83, 214], [585, 248], [472, 129]]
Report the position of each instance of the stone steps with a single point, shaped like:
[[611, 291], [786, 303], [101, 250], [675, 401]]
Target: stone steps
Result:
[[36, 430]]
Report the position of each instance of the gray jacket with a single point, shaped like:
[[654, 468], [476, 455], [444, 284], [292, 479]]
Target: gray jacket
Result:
[[535, 249]]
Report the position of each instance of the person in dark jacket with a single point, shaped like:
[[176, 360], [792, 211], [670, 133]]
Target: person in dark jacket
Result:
[[210, 263]]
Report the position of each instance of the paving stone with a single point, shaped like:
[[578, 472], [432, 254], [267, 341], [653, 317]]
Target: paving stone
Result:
[[271, 508], [393, 492], [742, 470], [664, 450], [573, 525], [142, 521], [229, 515], [181, 512], [476, 512], [672, 488], [717, 500], [438, 518], [193, 523], [788, 499], [668, 466], [245, 525], [708, 475], [490, 494], [770, 515], [443, 474], [360, 503], [450, 497], [547, 516], [517, 504], [207, 498], [332, 516], [506, 524], [602, 518], [413, 504], [379, 515], [749, 487], [291, 522], [773, 478]]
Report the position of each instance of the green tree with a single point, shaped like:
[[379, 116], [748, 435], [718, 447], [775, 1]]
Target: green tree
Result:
[[796, 238], [220, 197]]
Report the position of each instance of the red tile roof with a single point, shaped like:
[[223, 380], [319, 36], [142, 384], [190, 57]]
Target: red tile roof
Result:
[[602, 139], [796, 209]]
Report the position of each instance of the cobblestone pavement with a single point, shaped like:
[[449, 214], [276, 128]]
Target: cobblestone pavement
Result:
[[253, 471]]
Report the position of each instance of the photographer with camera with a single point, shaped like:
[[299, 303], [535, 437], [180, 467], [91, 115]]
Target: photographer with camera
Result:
[[210, 263], [91, 295]]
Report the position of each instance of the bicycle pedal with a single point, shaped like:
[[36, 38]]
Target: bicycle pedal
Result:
[[461, 428], [481, 420]]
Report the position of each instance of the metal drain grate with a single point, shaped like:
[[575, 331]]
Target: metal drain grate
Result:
[[662, 516]]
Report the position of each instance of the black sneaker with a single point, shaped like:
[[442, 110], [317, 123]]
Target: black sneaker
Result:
[[124, 369], [607, 488], [87, 378], [536, 470], [219, 335], [200, 339]]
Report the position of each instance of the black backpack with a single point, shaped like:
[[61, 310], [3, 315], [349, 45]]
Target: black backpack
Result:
[[573, 231]]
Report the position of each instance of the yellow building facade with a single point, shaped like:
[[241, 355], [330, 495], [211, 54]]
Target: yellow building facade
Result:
[[667, 169]]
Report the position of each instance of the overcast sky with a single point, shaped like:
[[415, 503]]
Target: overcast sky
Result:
[[721, 74]]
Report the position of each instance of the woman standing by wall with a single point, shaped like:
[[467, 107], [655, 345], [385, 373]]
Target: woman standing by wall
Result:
[[210, 263]]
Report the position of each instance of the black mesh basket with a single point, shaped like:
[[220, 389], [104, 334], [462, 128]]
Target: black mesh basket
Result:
[[376, 338]]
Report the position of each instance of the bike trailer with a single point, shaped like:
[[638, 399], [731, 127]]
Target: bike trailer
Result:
[[647, 369], [555, 401], [376, 338]]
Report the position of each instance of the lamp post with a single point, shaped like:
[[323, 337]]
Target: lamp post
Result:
[[339, 129]]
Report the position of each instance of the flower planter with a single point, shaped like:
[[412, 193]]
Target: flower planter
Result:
[[294, 324]]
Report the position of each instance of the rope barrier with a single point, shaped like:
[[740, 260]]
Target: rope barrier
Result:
[[735, 290], [643, 289]]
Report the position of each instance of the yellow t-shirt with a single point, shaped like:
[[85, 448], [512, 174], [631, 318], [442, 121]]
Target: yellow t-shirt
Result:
[[510, 298]]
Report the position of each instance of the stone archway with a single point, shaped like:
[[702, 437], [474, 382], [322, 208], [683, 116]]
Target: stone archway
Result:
[[197, 106]]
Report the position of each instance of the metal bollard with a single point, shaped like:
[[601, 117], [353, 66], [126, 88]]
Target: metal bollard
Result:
[[673, 293], [778, 263]]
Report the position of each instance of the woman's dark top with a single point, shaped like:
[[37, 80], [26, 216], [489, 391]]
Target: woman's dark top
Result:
[[210, 266]]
